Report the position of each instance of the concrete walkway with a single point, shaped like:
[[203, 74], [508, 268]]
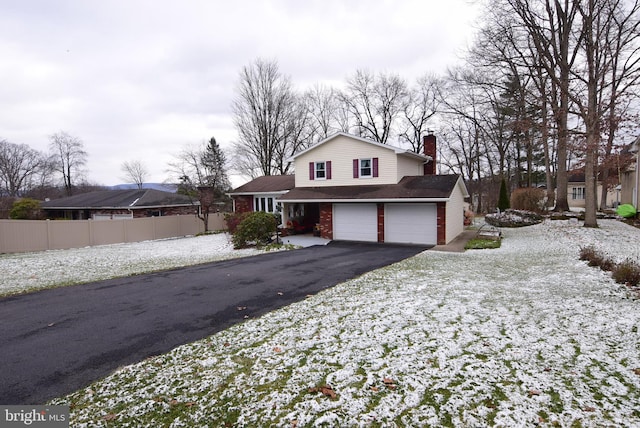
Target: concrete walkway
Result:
[[304, 240], [455, 246]]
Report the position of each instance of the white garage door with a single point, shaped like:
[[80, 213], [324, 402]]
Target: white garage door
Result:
[[355, 222], [411, 224]]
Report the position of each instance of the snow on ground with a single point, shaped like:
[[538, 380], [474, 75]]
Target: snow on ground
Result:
[[525, 335], [29, 271]]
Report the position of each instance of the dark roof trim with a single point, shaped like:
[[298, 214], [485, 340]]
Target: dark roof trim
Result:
[[423, 188]]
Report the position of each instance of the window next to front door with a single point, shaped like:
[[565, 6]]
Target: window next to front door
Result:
[[265, 203]]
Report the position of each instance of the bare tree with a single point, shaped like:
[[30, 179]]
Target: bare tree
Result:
[[19, 167], [375, 102], [420, 107], [70, 158], [322, 107], [135, 172], [551, 28], [269, 120]]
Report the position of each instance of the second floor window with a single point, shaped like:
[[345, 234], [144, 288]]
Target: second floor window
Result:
[[320, 170], [365, 168]]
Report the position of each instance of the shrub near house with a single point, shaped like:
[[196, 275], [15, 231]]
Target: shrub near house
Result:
[[25, 209], [257, 227]]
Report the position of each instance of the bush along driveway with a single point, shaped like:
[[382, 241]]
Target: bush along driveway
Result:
[[523, 335]]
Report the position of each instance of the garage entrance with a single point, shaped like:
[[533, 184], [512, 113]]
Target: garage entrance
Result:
[[355, 222], [411, 224]]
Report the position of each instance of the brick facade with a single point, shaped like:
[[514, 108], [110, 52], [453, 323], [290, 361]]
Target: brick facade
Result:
[[442, 222], [243, 204], [380, 222], [326, 220]]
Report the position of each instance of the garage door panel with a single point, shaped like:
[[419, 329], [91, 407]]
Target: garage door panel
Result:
[[411, 224], [355, 222]]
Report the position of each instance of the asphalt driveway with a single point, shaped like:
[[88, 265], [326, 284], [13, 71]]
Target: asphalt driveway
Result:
[[56, 341]]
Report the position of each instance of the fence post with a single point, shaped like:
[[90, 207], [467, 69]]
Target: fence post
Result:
[[48, 234]]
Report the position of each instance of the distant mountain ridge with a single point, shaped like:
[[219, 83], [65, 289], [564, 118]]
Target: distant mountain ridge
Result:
[[165, 187]]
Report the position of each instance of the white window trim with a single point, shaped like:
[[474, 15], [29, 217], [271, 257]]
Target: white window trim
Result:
[[316, 170], [370, 175], [268, 200]]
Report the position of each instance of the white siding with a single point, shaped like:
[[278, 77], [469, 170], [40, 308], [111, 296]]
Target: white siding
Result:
[[408, 166], [341, 151], [455, 213]]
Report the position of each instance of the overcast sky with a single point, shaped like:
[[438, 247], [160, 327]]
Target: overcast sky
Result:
[[138, 80]]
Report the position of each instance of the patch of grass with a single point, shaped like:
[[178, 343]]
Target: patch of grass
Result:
[[277, 247], [482, 244], [210, 232]]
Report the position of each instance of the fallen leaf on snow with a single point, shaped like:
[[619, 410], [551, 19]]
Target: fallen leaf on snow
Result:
[[110, 417], [326, 390], [389, 383], [277, 349], [533, 392]]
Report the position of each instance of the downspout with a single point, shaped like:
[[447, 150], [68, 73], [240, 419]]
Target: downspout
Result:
[[636, 192]]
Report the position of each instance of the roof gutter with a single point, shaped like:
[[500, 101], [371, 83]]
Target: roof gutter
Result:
[[308, 201], [140, 207], [278, 192]]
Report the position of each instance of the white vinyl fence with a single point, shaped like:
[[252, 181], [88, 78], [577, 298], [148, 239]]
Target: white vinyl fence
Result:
[[20, 236]]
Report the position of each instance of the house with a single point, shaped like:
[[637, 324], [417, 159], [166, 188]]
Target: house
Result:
[[262, 193], [353, 188], [630, 179], [576, 191], [119, 204]]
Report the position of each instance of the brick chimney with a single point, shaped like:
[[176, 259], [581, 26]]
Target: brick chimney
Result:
[[429, 142]]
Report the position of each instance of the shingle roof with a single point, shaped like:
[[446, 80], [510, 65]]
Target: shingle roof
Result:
[[412, 187], [266, 184], [120, 199]]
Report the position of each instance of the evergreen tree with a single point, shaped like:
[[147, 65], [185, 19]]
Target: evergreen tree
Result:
[[503, 199]]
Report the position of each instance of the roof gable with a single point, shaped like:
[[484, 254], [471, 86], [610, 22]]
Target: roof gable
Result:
[[267, 184], [396, 150]]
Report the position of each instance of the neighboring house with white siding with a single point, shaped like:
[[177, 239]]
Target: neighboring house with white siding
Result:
[[353, 188]]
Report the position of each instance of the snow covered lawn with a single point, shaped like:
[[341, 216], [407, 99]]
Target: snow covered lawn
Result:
[[524, 335], [31, 271]]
